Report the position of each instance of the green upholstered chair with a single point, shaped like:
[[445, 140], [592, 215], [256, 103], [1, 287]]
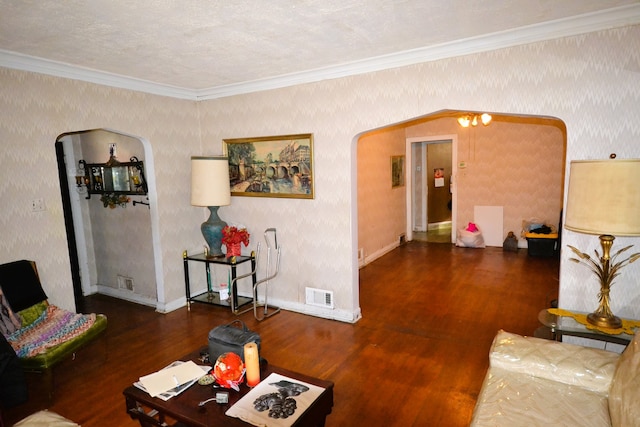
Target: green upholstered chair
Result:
[[22, 289]]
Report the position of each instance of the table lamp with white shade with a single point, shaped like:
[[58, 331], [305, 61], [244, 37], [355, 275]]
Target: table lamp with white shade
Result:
[[210, 188], [604, 199]]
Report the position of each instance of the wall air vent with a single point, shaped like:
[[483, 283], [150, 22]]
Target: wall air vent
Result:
[[125, 283], [319, 297]]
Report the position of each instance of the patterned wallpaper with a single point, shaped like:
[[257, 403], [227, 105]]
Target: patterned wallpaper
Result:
[[35, 110], [590, 82], [381, 209]]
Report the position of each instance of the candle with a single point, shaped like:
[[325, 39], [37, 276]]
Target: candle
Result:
[[252, 364]]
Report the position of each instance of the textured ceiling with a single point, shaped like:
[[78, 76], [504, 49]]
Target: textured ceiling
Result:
[[204, 44]]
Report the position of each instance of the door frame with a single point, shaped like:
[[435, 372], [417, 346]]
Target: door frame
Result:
[[409, 178]]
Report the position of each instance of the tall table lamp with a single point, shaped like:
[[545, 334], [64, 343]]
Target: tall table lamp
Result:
[[210, 188], [604, 199]]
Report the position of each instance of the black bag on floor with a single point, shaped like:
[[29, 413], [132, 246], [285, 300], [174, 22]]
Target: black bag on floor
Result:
[[510, 243], [229, 338]]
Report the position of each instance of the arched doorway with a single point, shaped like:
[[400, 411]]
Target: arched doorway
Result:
[[110, 246], [516, 161]]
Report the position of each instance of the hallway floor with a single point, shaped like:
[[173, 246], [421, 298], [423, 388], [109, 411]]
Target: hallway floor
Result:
[[437, 235]]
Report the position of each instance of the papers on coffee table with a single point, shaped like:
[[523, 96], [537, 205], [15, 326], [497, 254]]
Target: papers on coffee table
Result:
[[274, 389], [172, 379]]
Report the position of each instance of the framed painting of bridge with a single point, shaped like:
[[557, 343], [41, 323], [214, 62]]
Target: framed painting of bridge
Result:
[[271, 166]]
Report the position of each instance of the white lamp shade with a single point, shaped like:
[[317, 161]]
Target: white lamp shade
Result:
[[210, 181], [604, 197]]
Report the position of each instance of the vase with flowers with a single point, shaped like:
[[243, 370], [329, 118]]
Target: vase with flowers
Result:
[[232, 238]]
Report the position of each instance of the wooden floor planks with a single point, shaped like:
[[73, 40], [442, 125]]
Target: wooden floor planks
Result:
[[416, 358]]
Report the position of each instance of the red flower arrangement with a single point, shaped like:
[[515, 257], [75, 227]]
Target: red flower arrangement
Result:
[[235, 235]]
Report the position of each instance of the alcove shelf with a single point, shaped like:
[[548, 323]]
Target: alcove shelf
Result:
[[113, 177]]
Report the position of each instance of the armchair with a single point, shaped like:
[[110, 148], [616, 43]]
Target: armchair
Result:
[[45, 335], [536, 382]]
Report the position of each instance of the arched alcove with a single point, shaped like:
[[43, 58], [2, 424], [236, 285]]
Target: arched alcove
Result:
[[111, 246]]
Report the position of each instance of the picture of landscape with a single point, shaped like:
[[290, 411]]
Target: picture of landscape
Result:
[[275, 166]]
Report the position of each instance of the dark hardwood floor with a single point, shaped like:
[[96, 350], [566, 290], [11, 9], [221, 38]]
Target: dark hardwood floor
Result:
[[417, 357]]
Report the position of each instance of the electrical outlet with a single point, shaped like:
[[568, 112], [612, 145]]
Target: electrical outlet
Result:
[[37, 205]]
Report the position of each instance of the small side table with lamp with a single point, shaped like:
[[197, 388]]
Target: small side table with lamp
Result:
[[604, 199]]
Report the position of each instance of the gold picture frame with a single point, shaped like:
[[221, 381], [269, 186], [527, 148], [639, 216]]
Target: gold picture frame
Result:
[[271, 166]]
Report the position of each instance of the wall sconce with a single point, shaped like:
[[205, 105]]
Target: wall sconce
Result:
[[82, 180], [472, 120], [604, 199]]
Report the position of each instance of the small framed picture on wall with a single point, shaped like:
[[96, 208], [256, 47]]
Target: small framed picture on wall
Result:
[[397, 171]]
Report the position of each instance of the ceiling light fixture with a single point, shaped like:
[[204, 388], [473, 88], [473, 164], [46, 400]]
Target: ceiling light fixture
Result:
[[473, 119]]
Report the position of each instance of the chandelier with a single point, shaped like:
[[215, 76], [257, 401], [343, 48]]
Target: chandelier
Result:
[[473, 120]]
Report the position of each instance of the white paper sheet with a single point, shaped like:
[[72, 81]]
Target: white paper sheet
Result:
[[172, 377], [246, 411]]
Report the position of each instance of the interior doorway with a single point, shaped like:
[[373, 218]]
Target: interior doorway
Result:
[[432, 200], [431, 193]]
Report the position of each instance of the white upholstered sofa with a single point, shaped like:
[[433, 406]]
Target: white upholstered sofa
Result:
[[536, 382]]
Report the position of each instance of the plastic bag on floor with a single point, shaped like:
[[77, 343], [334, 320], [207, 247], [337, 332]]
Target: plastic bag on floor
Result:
[[470, 237]]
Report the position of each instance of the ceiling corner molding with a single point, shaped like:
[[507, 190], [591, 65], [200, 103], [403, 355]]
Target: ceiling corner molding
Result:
[[34, 64], [581, 24], [591, 22]]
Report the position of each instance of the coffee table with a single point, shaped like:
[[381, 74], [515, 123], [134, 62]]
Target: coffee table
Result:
[[183, 410]]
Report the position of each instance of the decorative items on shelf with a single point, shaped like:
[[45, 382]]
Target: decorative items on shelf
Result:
[[82, 180], [232, 238], [113, 180], [112, 200]]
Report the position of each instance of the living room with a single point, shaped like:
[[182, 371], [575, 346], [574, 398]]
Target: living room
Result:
[[533, 79], [589, 81]]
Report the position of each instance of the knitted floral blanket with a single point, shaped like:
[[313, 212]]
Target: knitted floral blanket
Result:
[[53, 327]]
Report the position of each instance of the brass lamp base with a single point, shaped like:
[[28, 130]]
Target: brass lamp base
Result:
[[602, 321]]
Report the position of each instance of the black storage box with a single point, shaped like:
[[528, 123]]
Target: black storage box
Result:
[[542, 246], [230, 338]]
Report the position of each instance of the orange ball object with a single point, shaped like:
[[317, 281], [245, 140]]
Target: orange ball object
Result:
[[229, 370]]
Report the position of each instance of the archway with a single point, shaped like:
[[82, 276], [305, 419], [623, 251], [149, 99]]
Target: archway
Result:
[[488, 170], [111, 247]]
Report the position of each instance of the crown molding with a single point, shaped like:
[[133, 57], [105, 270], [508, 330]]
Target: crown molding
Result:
[[22, 62], [576, 25]]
